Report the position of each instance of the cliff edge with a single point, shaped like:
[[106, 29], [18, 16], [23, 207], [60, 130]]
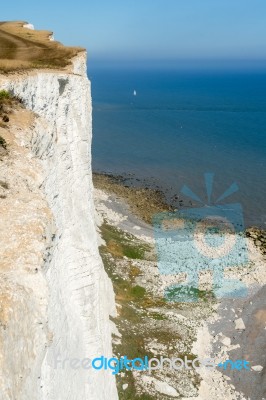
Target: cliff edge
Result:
[[23, 47], [55, 298]]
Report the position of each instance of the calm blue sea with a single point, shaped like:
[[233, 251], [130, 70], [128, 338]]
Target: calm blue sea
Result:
[[181, 125]]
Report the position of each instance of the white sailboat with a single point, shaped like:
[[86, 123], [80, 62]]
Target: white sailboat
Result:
[[134, 93]]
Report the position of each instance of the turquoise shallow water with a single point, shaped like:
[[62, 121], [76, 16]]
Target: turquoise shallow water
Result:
[[181, 125]]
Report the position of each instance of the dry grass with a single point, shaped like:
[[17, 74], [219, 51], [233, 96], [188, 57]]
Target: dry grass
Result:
[[7, 105], [22, 48]]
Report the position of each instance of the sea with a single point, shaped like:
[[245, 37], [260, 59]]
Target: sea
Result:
[[167, 128]]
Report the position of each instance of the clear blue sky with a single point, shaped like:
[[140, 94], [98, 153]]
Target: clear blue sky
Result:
[[151, 29]]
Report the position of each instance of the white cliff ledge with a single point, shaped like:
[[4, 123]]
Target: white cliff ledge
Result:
[[60, 296]]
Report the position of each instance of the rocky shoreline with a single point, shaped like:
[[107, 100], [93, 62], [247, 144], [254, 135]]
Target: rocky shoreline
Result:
[[259, 238], [145, 324], [145, 201], [209, 328]]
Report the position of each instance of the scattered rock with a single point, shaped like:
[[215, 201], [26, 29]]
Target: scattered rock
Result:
[[257, 368], [161, 387], [164, 388], [226, 341], [239, 323]]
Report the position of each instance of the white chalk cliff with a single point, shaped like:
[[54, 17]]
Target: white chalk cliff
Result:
[[62, 311]]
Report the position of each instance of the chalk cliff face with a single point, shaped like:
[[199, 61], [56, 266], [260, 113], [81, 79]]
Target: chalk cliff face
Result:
[[76, 295]]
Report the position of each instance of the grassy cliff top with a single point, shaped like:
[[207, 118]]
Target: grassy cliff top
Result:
[[24, 48]]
